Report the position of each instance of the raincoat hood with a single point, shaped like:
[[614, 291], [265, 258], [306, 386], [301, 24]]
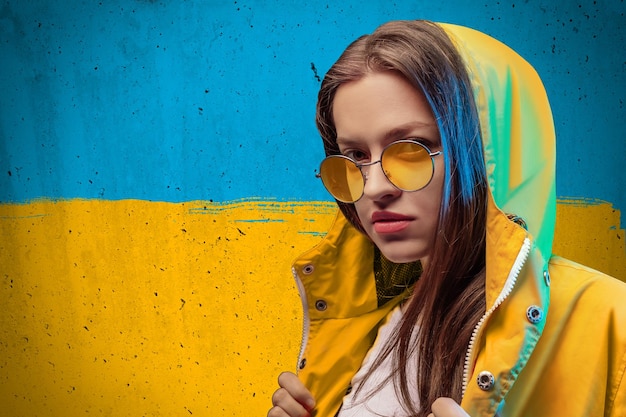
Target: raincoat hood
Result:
[[517, 131]]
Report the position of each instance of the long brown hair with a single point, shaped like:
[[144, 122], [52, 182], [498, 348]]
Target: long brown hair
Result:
[[449, 299]]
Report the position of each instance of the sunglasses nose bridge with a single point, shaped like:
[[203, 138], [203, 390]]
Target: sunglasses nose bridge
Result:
[[367, 166], [379, 183]]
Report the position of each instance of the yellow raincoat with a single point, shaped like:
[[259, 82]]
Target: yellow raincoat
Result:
[[553, 339]]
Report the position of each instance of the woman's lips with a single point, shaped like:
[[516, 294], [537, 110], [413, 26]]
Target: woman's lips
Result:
[[388, 222]]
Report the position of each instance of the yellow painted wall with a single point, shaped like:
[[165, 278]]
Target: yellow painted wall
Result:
[[588, 231], [136, 308], [139, 308]]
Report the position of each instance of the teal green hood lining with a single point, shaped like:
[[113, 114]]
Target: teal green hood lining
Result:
[[517, 130]]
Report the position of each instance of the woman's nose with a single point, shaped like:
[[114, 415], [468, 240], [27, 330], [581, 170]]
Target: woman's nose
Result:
[[377, 185]]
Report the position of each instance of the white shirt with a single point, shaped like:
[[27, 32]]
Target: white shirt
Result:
[[372, 399]]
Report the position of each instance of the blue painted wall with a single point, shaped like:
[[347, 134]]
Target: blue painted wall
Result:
[[184, 100]]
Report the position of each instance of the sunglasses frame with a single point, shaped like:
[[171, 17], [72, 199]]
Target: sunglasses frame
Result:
[[368, 164]]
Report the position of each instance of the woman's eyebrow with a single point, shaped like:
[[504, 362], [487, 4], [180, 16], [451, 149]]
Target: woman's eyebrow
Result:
[[347, 142], [408, 129]]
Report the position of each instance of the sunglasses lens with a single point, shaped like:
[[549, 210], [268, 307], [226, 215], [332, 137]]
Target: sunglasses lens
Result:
[[408, 165], [342, 178]]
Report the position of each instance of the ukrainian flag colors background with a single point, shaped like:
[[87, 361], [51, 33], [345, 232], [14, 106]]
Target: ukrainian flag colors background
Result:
[[157, 180]]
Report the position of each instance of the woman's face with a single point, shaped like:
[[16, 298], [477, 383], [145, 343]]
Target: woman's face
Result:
[[369, 114]]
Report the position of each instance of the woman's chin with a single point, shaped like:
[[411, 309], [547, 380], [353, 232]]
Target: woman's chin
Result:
[[400, 256]]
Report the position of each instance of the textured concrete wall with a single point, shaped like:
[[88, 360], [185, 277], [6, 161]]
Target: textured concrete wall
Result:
[[157, 180]]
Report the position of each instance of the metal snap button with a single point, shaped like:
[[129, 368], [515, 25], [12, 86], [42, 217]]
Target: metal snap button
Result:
[[302, 363], [321, 305], [308, 269], [546, 277], [485, 380], [534, 314]]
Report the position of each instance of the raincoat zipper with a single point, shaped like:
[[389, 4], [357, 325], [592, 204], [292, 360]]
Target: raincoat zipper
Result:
[[305, 319], [522, 256]]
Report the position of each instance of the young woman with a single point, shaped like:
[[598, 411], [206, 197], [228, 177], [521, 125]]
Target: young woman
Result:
[[435, 292]]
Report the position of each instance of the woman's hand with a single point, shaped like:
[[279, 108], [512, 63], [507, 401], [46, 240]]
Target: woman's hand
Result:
[[292, 399], [447, 407]]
